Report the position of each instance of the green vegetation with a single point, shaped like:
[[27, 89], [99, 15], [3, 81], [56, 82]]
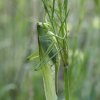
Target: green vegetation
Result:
[[63, 51]]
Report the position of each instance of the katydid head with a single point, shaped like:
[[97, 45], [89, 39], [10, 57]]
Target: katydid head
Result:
[[42, 27]]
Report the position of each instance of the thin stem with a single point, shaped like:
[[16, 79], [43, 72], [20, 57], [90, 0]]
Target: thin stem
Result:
[[66, 80], [53, 9]]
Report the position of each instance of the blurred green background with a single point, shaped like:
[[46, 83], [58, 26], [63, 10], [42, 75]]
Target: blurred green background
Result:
[[18, 80]]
